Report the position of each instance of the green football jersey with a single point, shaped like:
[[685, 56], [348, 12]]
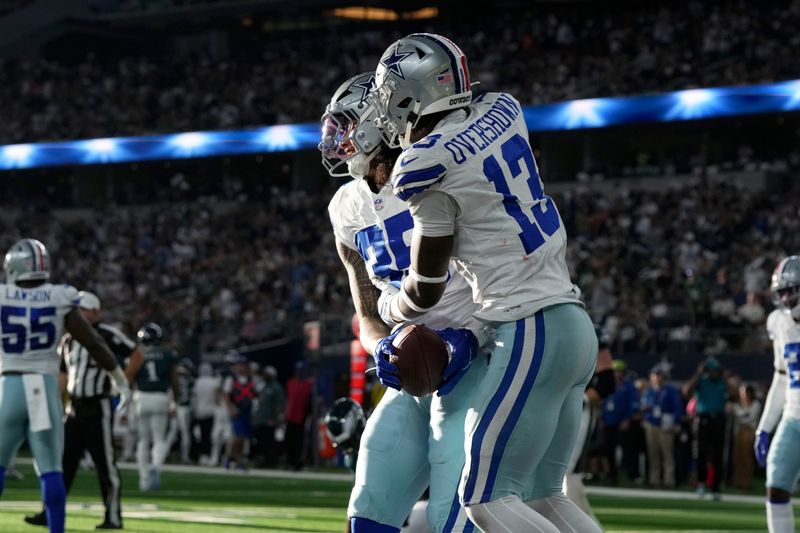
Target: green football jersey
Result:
[[156, 372]]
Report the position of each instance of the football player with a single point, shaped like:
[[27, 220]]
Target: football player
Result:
[[408, 442], [157, 375], [33, 316], [182, 424], [468, 174], [782, 458]]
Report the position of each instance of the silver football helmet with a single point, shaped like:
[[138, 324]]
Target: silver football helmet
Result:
[[350, 135], [785, 286], [27, 260], [421, 74]]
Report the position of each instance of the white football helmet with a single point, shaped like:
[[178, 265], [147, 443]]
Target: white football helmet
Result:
[[421, 74], [27, 260], [349, 133]]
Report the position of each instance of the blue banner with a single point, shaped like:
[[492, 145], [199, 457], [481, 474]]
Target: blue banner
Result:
[[692, 104]]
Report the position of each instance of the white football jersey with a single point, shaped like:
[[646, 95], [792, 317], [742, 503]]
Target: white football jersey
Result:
[[785, 335], [32, 323], [510, 242], [379, 227]]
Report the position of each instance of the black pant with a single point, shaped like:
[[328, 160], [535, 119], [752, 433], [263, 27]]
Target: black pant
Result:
[[206, 426], [709, 443], [265, 448], [294, 444], [89, 427], [613, 436], [610, 443]]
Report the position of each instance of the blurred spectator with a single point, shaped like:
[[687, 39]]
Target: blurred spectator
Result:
[[618, 410], [268, 416], [747, 412], [752, 312], [206, 395], [711, 391], [288, 76], [240, 394], [662, 406], [298, 403]]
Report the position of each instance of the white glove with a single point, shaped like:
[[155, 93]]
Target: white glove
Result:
[[383, 304], [121, 384]]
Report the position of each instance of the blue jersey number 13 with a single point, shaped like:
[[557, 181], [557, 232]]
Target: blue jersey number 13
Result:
[[516, 150]]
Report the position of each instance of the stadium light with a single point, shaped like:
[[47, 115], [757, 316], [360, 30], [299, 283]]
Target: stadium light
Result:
[[692, 104], [695, 97], [279, 138], [794, 99], [101, 146], [583, 114], [16, 155], [189, 141]]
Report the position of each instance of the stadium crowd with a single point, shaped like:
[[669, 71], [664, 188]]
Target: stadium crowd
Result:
[[689, 263], [541, 55]]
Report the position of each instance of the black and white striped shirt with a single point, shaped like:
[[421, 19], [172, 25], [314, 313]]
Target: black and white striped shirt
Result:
[[85, 379]]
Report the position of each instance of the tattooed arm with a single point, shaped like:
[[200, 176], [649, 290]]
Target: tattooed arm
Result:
[[365, 298]]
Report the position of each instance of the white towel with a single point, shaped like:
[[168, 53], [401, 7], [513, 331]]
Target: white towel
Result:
[[36, 398]]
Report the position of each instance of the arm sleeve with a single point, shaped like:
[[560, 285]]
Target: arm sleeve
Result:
[[434, 213], [774, 404]]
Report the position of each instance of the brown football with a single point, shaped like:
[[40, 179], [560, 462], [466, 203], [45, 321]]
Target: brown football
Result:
[[421, 359]]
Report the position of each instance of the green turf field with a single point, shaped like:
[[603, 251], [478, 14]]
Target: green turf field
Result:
[[217, 503]]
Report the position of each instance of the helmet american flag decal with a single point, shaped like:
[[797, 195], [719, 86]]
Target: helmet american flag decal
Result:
[[458, 62]]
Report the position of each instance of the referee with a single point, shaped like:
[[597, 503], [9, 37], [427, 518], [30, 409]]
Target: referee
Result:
[[89, 413]]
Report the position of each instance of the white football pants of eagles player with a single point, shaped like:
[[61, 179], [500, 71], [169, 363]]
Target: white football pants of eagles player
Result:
[[182, 423], [152, 410]]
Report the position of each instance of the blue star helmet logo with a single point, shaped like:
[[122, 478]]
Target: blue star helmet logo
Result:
[[392, 61], [365, 86]]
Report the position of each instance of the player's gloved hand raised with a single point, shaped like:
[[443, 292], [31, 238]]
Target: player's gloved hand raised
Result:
[[463, 347], [388, 374], [762, 447]]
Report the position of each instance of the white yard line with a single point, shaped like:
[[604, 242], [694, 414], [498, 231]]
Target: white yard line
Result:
[[669, 494], [255, 472]]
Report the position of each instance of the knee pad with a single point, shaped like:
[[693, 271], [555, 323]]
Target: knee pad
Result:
[[364, 525]]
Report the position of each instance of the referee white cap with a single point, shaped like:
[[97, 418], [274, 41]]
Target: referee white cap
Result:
[[89, 300]]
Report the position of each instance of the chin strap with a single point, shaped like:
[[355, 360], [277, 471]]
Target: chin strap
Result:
[[405, 142], [358, 165]]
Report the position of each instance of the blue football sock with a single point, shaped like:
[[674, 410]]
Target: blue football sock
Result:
[[363, 525], [54, 496], [2, 479]]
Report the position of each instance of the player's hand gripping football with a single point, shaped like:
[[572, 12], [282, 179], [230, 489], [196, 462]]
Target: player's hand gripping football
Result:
[[463, 347], [762, 447], [388, 374]]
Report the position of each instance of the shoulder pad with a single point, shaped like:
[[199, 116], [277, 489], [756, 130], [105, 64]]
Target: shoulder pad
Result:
[[773, 323], [70, 295]]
